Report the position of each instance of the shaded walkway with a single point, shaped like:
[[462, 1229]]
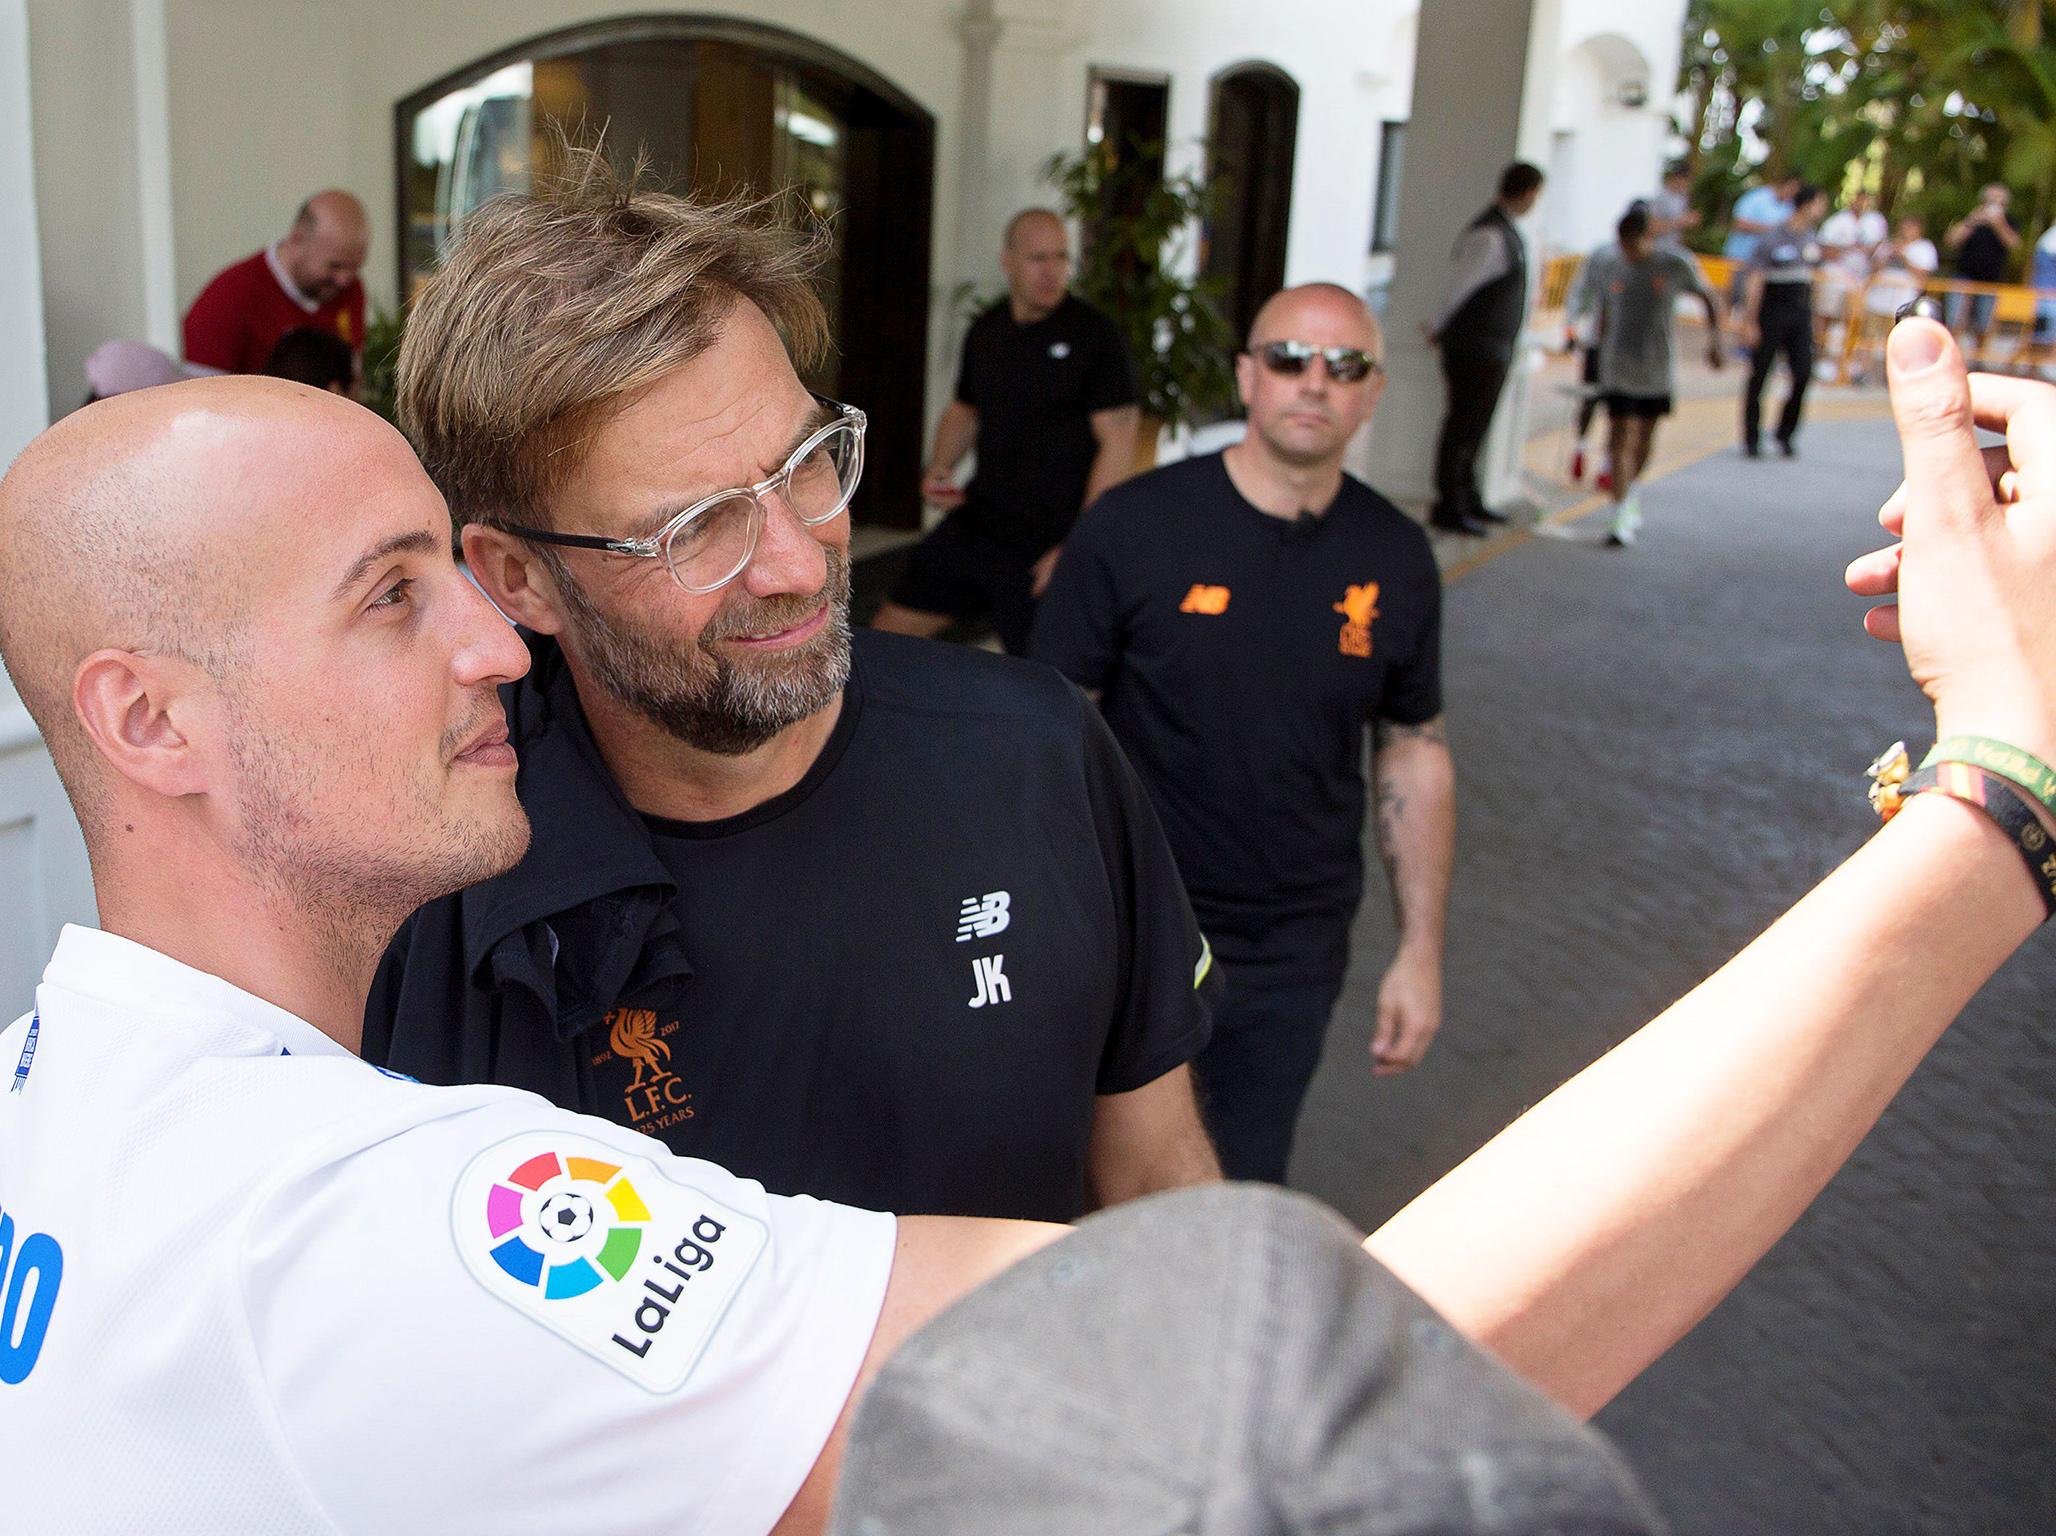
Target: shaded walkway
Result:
[[1658, 751]]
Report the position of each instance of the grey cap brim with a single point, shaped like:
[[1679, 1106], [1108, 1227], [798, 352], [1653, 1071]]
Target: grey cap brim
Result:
[[1223, 1361]]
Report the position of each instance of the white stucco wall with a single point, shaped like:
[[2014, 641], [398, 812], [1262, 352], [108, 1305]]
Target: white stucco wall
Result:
[[1616, 151], [268, 100]]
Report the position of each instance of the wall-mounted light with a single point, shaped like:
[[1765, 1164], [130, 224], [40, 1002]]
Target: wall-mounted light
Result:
[[1633, 94]]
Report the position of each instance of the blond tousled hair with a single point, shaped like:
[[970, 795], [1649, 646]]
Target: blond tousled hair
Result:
[[558, 307]]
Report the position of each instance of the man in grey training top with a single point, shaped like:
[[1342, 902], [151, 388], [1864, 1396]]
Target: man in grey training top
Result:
[[1634, 286]]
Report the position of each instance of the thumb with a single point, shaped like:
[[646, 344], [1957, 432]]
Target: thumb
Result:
[[1387, 1035], [1946, 481]]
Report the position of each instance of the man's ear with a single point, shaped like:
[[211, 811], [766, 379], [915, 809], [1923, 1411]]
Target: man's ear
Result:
[[514, 577], [140, 713], [1245, 377]]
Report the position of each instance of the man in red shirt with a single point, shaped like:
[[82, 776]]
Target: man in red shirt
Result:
[[308, 278]]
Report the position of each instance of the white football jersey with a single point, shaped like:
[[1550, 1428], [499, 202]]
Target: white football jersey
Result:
[[250, 1283]]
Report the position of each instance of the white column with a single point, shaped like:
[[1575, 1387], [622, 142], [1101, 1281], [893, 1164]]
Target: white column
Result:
[[980, 30], [153, 174], [1480, 99], [24, 400], [44, 879]]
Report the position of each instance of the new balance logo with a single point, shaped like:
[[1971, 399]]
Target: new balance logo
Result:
[[981, 917], [993, 986]]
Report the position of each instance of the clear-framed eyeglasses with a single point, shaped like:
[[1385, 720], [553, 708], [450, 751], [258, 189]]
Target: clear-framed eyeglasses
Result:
[[709, 544]]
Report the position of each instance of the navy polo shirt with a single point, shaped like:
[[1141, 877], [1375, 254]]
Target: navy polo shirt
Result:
[[1241, 657], [902, 984]]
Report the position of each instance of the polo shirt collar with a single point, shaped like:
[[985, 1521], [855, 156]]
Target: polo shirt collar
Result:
[[285, 282], [136, 979]]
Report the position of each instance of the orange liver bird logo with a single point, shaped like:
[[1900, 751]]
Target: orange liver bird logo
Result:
[[634, 1038], [1358, 609], [1205, 599]]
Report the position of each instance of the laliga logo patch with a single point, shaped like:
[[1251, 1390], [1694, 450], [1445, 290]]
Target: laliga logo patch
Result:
[[636, 1271]]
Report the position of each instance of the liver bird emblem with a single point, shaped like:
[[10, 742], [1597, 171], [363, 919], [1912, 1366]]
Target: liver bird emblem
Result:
[[1361, 605], [634, 1038]]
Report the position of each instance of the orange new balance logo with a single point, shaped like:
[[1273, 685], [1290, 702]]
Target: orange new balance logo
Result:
[[1205, 599], [1357, 610]]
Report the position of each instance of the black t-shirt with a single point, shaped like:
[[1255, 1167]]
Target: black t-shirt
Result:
[[1982, 256], [1241, 657], [1035, 388], [1788, 259], [907, 979]]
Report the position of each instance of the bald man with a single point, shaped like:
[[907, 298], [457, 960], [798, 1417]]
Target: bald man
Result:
[[1245, 615], [251, 1283], [1046, 396], [305, 279]]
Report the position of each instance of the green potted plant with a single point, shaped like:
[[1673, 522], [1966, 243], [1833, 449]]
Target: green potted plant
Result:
[[381, 359], [1137, 230]]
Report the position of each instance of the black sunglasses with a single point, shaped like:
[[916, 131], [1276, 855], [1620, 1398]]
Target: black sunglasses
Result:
[[1345, 365]]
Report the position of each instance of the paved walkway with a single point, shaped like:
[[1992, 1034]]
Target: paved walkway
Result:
[[1658, 750]]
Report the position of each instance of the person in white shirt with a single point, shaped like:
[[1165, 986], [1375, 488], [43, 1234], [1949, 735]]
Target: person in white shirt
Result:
[[1850, 238], [251, 1283], [1849, 241], [1900, 270]]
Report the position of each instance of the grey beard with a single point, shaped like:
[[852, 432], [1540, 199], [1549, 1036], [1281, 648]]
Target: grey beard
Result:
[[703, 698]]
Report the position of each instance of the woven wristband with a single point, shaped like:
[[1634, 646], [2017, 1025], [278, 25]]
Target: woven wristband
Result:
[[1997, 799], [2021, 769]]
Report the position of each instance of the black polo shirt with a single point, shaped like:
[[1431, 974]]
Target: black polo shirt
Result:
[[1241, 657], [902, 984], [1035, 388]]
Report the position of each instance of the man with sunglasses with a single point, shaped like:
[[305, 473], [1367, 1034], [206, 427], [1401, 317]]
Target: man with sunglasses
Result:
[[875, 919], [1244, 616]]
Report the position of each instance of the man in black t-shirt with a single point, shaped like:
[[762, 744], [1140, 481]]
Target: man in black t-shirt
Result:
[[887, 922], [1983, 241], [1046, 396], [1244, 616], [1777, 318]]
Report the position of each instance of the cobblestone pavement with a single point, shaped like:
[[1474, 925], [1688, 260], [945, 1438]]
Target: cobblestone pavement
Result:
[[1658, 750]]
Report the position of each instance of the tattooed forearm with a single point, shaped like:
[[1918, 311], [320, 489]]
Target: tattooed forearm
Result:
[[1391, 801], [1414, 791], [1388, 731]]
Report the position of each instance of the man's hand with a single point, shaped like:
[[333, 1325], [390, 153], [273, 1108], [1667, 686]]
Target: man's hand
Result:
[[940, 489], [1044, 568], [1751, 333], [1409, 1012], [1972, 571]]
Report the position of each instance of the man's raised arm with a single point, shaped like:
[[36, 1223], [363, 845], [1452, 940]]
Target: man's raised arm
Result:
[[1587, 1238]]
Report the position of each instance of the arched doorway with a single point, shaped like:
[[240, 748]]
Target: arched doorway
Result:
[[1253, 127], [716, 104]]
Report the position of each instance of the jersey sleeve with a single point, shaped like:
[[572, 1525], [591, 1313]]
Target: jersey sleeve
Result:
[[1078, 622], [1163, 1016], [214, 326], [1111, 382], [1413, 690], [513, 1317]]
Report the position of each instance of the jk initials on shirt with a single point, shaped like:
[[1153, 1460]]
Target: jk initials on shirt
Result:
[[993, 986]]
